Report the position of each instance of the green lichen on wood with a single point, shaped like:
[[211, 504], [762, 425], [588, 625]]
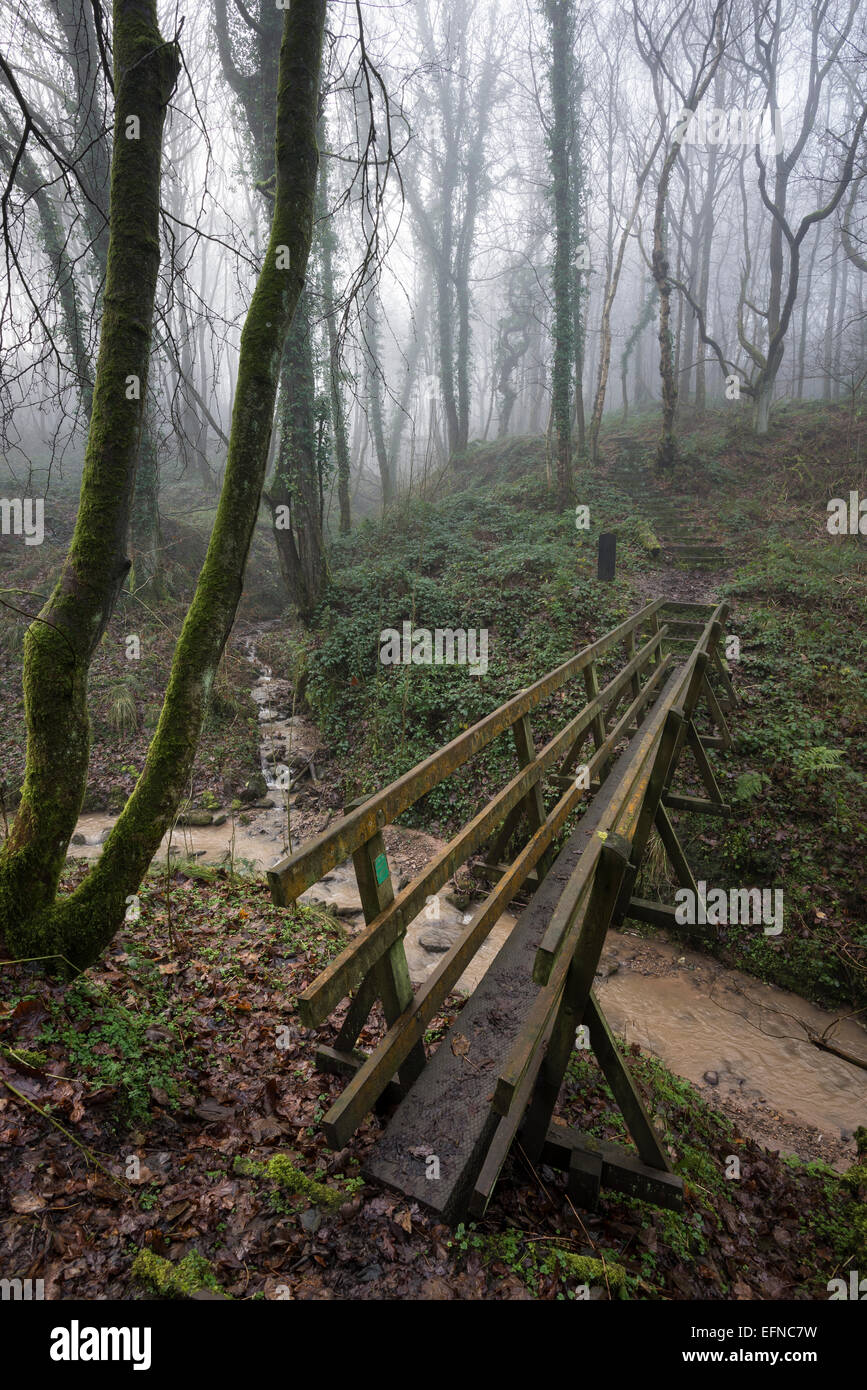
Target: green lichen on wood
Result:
[[190, 1275], [587, 1270], [282, 1170]]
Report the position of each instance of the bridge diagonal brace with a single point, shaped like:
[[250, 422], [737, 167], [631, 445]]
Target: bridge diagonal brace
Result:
[[626, 1093], [357, 1014], [674, 850], [704, 765], [499, 844], [716, 713], [531, 807]]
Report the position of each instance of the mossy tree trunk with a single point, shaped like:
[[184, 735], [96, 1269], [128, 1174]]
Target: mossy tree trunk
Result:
[[93, 167], [59, 644], [666, 449], [90, 121], [80, 926]]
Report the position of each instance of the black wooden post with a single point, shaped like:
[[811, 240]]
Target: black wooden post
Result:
[[607, 555]]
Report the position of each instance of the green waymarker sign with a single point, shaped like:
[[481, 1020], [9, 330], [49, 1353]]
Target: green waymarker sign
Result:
[[380, 867]]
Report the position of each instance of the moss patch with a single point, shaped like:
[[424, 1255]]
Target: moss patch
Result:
[[181, 1280]]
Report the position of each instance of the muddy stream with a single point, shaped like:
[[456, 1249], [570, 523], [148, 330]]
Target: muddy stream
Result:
[[743, 1043]]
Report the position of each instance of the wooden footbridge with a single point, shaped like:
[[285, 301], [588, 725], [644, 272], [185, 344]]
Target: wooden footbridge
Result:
[[569, 827]]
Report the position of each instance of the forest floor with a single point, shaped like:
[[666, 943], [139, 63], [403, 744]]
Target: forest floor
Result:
[[140, 1108]]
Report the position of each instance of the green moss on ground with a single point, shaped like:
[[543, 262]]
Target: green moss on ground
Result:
[[190, 1275]]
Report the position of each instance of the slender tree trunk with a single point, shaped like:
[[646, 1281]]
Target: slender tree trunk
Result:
[[561, 22], [146, 576], [293, 494], [805, 311], [72, 318], [841, 325], [373, 393], [338, 413], [830, 320]]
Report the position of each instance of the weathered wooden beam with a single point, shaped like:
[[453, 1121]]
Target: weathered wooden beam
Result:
[[336, 1062], [585, 1178], [716, 714], [725, 677], [497, 871], [582, 962], [505, 1134], [636, 679], [660, 775], [500, 842], [626, 1093], [358, 1013], [677, 802], [585, 904], [534, 802], [705, 770], [621, 1170], [563, 915], [656, 914], [591, 682]]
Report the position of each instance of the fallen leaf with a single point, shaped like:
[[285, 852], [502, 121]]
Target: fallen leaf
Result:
[[25, 1202]]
